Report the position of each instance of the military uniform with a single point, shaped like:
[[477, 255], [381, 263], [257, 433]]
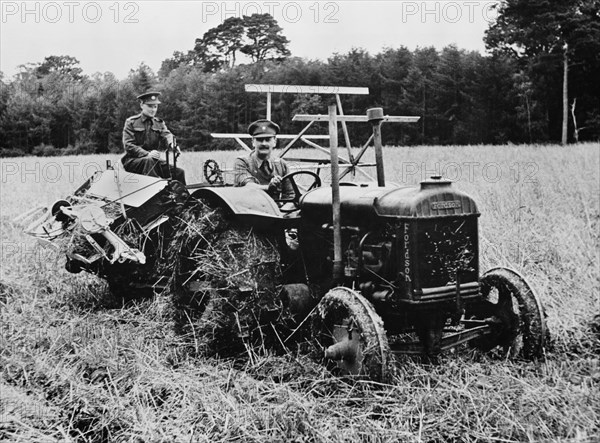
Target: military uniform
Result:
[[251, 169], [142, 134]]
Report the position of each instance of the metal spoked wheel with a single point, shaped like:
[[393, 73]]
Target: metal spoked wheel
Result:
[[520, 325], [212, 172], [351, 335]]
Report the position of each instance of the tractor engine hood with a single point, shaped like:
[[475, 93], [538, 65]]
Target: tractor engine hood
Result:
[[433, 198]]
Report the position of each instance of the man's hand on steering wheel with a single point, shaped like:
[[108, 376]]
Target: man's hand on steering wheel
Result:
[[299, 191], [275, 184], [154, 154]]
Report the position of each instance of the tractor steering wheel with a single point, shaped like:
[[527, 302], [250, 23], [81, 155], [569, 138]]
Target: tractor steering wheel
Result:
[[310, 183]]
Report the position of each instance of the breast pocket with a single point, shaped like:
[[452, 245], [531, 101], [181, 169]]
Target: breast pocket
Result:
[[139, 134]]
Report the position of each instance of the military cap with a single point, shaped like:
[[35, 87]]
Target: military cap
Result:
[[263, 127], [149, 98]]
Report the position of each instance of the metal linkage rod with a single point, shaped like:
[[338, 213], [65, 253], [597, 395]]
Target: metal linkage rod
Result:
[[306, 89]]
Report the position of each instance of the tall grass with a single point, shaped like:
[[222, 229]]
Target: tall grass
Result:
[[73, 369]]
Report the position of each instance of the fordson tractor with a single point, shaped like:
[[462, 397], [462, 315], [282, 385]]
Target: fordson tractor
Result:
[[369, 269]]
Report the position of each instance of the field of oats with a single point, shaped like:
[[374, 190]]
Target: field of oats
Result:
[[74, 369]]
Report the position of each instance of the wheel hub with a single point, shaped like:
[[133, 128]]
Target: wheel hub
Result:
[[346, 350]]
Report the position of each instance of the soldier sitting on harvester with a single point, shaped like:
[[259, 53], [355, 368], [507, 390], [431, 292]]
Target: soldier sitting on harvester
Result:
[[147, 142]]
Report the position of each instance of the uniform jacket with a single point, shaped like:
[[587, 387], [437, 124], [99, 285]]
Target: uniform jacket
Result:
[[143, 134], [248, 169]]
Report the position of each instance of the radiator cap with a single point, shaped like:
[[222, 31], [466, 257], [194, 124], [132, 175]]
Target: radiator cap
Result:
[[435, 181]]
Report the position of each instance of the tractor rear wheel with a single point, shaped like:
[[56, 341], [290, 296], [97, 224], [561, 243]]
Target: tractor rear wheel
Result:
[[520, 324], [350, 336]]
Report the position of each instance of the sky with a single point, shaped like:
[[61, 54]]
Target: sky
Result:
[[117, 36]]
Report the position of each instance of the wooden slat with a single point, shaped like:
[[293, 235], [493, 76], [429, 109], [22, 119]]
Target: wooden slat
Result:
[[345, 166], [314, 145], [307, 160], [327, 161], [295, 139], [344, 128], [364, 148], [358, 168], [401, 118], [325, 150], [354, 118], [282, 136], [306, 89], [242, 144]]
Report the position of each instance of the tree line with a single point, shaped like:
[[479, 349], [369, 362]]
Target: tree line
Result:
[[519, 92]]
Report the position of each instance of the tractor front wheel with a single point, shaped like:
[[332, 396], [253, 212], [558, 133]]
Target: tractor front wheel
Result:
[[350, 336], [519, 324]]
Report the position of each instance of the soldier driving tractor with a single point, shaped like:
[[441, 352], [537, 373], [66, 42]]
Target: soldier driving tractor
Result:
[[380, 269]]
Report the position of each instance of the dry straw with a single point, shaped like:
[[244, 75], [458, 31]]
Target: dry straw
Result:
[[74, 367]]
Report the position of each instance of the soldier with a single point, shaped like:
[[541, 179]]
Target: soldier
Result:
[[259, 168], [146, 140]]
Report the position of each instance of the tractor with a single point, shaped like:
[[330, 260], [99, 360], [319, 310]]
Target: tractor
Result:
[[369, 270]]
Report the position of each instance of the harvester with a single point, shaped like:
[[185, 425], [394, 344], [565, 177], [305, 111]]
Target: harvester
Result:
[[370, 270]]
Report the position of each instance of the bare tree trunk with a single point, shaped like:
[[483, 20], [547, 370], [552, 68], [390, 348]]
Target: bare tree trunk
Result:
[[423, 118], [565, 124], [528, 117], [576, 131]]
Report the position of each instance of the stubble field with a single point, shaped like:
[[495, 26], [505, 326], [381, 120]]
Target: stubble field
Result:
[[72, 369]]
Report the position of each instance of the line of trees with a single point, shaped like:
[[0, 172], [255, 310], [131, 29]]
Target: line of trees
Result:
[[515, 94], [554, 41]]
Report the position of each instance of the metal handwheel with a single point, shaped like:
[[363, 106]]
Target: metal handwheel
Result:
[[299, 188], [212, 172]]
